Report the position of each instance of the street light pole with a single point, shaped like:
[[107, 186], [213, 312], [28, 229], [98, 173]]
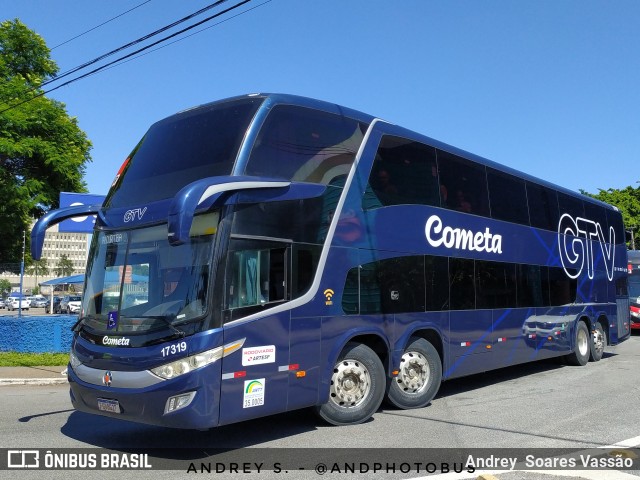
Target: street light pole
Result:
[[21, 276]]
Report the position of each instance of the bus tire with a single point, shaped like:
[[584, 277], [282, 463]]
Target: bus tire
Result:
[[419, 377], [582, 343], [357, 387], [598, 342]]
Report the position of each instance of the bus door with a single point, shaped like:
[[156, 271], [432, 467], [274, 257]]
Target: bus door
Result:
[[255, 382]]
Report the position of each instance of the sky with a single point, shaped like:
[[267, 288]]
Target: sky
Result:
[[548, 87]]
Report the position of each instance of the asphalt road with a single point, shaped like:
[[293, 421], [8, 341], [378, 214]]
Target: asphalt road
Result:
[[545, 405]]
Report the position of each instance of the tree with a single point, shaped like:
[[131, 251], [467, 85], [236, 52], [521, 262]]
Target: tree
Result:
[[42, 149], [64, 267], [5, 286], [628, 202], [38, 267]]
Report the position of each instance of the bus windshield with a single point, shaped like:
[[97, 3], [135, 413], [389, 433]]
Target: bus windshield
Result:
[[137, 282], [195, 144]]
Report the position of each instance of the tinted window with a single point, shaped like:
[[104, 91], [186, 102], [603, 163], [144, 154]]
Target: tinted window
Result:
[[305, 145], [196, 144], [297, 220], [496, 285], [543, 206], [562, 289], [394, 285], [351, 293], [529, 288], [508, 197], [615, 220], [464, 184], [597, 214], [436, 272], [304, 261], [571, 205], [461, 284], [404, 172]]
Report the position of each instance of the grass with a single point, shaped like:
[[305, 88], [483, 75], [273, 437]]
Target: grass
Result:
[[15, 359]]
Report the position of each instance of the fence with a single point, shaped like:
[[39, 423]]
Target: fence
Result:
[[51, 333]]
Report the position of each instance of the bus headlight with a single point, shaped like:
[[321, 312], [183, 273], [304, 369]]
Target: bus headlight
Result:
[[73, 360], [194, 362]]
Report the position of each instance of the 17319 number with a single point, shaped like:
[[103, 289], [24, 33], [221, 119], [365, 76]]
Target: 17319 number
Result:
[[173, 349]]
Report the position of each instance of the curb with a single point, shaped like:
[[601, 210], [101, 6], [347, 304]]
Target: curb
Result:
[[32, 381]]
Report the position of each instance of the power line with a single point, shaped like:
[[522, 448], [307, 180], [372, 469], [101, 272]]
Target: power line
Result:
[[129, 55], [134, 42], [109, 67], [98, 26]]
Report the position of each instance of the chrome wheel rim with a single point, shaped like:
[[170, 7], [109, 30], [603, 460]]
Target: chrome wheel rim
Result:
[[414, 373], [583, 342], [350, 384], [598, 341]]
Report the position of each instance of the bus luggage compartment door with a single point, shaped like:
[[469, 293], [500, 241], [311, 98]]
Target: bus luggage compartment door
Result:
[[470, 342]]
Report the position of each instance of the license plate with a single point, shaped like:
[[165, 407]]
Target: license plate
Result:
[[106, 405]]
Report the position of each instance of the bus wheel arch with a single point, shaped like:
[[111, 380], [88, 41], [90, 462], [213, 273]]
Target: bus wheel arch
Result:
[[357, 385], [419, 374], [581, 344], [599, 339]]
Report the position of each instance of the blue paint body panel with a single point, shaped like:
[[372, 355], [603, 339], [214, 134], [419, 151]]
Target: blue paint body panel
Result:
[[302, 336]]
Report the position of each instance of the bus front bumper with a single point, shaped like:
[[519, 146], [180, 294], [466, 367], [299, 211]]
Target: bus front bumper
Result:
[[189, 401]]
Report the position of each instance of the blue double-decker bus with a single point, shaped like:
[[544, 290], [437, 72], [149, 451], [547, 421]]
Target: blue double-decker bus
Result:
[[267, 253]]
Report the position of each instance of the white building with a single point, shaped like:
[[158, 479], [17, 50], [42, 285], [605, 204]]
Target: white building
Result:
[[56, 244]]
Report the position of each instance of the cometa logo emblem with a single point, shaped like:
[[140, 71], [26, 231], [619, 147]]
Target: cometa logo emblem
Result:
[[328, 294], [107, 378]]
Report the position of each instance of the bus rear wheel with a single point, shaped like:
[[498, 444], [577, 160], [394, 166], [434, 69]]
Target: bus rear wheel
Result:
[[357, 387], [419, 376], [582, 346], [598, 342]]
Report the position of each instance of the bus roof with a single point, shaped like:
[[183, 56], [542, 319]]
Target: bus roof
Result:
[[271, 99]]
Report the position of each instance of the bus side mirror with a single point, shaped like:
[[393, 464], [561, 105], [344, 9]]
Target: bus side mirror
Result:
[[52, 218], [204, 194]]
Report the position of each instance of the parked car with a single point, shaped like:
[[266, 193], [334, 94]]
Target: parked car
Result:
[[14, 303], [70, 304], [38, 301], [1, 303], [56, 305]]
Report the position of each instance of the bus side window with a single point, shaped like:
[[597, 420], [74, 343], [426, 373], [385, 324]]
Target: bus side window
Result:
[[465, 184], [543, 206], [508, 197], [404, 172], [256, 277]]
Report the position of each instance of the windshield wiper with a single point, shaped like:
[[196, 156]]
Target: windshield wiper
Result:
[[166, 321], [75, 326]]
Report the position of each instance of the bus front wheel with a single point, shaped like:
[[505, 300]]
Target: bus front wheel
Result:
[[582, 346], [419, 376], [357, 387]]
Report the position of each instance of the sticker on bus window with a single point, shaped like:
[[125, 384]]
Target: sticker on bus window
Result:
[[253, 393], [258, 355], [112, 320]]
